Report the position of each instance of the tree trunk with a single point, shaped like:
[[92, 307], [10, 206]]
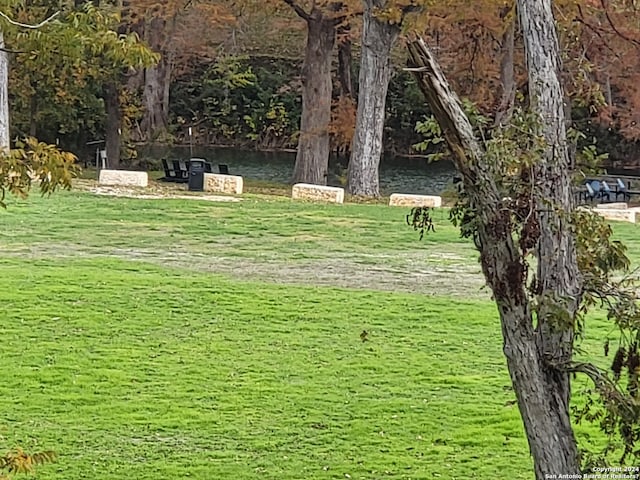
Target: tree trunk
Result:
[[312, 158], [608, 94], [113, 125], [4, 96], [378, 37], [558, 276], [507, 75], [344, 62], [155, 120], [542, 390], [33, 112]]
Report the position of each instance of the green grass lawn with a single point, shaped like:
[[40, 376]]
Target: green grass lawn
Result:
[[187, 339]]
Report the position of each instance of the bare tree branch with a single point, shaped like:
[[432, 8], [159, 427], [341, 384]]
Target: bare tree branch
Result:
[[25, 25], [615, 29], [298, 9], [603, 383]]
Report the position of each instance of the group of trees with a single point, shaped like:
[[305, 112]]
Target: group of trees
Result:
[[523, 64], [68, 66], [160, 44], [182, 50]]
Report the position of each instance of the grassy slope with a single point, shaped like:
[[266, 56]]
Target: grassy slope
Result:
[[128, 362]]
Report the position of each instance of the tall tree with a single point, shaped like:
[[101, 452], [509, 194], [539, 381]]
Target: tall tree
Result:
[[30, 159], [537, 318], [382, 20], [68, 62], [312, 158], [179, 31]]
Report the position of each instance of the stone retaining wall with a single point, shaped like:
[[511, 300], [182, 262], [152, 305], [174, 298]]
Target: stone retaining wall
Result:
[[613, 206], [631, 215]]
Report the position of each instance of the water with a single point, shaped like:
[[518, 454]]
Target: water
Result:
[[397, 174]]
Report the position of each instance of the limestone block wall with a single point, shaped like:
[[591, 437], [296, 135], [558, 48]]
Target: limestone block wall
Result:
[[613, 206], [317, 193], [407, 200], [124, 178], [215, 182], [631, 215]]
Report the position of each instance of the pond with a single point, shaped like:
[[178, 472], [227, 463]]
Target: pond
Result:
[[397, 174]]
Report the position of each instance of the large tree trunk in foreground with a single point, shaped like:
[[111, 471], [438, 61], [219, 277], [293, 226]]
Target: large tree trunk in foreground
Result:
[[4, 96], [312, 158], [533, 347], [378, 37], [113, 125], [559, 280]]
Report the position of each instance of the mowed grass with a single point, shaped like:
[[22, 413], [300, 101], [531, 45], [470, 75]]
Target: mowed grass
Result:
[[349, 245], [129, 363], [130, 369]]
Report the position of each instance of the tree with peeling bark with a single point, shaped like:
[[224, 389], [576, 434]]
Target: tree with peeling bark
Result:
[[312, 157], [382, 22], [531, 225], [517, 205]]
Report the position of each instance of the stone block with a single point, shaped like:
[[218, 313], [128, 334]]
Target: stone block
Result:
[[317, 193], [215, 182], [631, 215], [613, 206], [123, 177], [407, 200]]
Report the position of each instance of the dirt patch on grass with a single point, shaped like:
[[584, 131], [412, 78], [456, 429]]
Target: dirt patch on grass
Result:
[[342, 271], [155, 191], [409, 272], [441, 270], [138, 193]]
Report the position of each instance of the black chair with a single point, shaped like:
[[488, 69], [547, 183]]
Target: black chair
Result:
[[169, 174], [182, 171], [621, 189], [223, 169]]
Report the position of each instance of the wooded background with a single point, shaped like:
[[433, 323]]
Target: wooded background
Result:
[[232, 70]]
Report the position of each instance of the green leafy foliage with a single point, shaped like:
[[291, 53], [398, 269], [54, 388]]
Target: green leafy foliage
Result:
[[405, 108], [420, 219], [240, 100], [35, 161], [432, 139], [56, 82]]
